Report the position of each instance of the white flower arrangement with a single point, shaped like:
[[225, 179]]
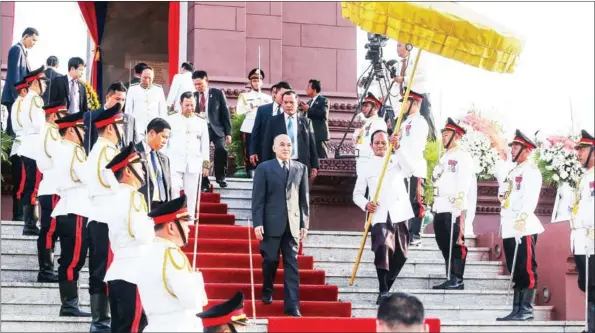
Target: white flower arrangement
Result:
[[480, 147], [559, 165]]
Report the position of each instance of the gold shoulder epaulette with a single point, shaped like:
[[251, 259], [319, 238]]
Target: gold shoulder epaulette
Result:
[[137, 202], [52, 133], [104, 154], [38, 101], [206, 164], [135, 84], [171, 112], [178, 259]]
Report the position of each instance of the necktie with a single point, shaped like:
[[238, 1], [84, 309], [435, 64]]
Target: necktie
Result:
[[157, 172], [286, 169], [278, 112], [202, 102], [290, 133]]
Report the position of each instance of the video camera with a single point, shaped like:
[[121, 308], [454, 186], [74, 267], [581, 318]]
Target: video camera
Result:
[[374, 54]]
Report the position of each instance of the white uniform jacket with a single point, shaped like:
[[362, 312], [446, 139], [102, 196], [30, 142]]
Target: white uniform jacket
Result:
[[362, 138], [69, 163], [33, 118], [519, 193], [393, 196], [46, 151], [452, 177], [248, 102], [413, 136], [130, 233], [145, 105], [581, 236], [188, 144], [170, 292], [17, 124], [99, 180], [179, 85]]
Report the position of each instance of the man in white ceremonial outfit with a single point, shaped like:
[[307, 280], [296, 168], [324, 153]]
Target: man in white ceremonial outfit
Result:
[[171, 293], [181, 83], [145, 101], [390, 237], [188, 150], [362, 136]]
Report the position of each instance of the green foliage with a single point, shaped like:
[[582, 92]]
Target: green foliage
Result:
[[6, 143], [546, 174], [236, 146], [431, 154]]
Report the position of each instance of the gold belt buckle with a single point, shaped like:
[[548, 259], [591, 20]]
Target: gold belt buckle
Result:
[[519, 225]]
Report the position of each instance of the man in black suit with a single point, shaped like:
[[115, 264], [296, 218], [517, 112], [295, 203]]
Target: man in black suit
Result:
[[50, 73], [18, 67], [213, 102], [263, 115], [138, 71], [317, 110], [280, 211], [157, 163], [68, 89], [298, 130]]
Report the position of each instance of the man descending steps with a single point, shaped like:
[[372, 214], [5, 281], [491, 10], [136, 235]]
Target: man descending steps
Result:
[[519, 194], [47, 195], [452, 178], [390, 236], [71, 211], [130, 234], [582, 222]]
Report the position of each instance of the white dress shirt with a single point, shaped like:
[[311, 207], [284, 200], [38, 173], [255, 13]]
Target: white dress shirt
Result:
[[73, 95]]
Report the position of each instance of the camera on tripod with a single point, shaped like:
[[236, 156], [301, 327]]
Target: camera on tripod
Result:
[[374, 54]]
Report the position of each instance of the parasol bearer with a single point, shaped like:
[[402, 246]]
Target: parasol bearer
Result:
[[582, 222], [362, 136], [413, 135], [47, 195], [16, 164], [130, 233], [228, 316], [248, 103], [452, 179], [71, 211], [171, 293], [109, 128], [390, 237], [519, 194], [32, 119]]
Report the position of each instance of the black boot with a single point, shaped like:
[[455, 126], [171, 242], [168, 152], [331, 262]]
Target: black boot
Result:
[[100, 313], [516, 304], [70, 300], [30, 228], [17, 210], [46, 266], [526, 306]]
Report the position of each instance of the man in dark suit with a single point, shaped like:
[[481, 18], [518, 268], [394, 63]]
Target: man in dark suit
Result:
[[18, 67], [298, 130], [213, 102], [50, 73], [157, 163], [68, 89], [263, 115], [138, 71], [317, 110], [280, 211], [116, 93]]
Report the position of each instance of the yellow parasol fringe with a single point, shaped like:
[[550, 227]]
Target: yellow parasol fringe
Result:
[[443, 28]]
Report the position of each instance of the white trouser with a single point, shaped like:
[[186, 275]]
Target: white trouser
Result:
[[189, 183]]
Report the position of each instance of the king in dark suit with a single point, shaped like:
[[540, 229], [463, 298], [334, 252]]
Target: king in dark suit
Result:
[[298, 130], [280, 211], [18, 67], [68, 89]]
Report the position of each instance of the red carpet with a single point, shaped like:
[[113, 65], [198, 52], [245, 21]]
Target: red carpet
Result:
[[222, 245], [307, 292], [241, 275], [213, 208], [314, 324], [235, 260]]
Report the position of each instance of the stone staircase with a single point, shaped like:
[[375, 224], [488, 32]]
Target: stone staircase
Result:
[[33, 307]]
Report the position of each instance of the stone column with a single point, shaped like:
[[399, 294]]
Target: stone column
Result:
[[7, 9]]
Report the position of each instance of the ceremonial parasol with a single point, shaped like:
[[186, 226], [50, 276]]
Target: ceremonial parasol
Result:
[[447, 29]]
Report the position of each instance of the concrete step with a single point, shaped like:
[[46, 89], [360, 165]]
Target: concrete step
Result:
[[233, 183], [518, 326], [417, 267], [413, 281], [29, 274], [485, 298], [54, 323], [228, 194], [462, 312], [354, 238], [240, 213], [16, 244]]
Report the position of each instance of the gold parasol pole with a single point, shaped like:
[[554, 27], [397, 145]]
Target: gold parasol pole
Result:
[[386, 159]]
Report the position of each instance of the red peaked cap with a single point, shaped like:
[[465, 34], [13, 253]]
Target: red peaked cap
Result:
[[109, 116], [170, 211], [414, 96], [586, 140], [522, 139], [453, 126], [230, 311], [34, 75], [71, 120], [127, 156], [372, 99], [20, 85], [55, 107]]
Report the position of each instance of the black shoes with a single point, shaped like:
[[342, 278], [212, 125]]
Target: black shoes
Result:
[[30, 228], [381, 297], [452, 284], [267, 299], [46, 266], [100, 314], [522, 306], [293, 313], [70, 300]]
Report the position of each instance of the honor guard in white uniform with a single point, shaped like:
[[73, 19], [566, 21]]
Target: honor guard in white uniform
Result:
[[145, 101], [16, 164], [71, 211], [130, 234], [109, 128], [519, 226], [362, 136], [188, 150], [413, 136], [171, 293], [32, 119], [228, 316], [248, 103], [582, 224], [452, 178], [390, 237], [48, 187]]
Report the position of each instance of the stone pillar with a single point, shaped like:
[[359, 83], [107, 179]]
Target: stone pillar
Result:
[[7, 9], [264, 28]]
